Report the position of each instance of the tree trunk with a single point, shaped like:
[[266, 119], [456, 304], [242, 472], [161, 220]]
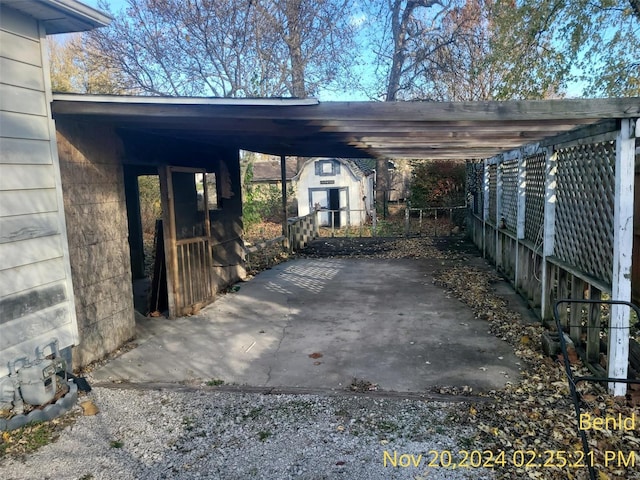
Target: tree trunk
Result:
[[294, 43], [382, 185]]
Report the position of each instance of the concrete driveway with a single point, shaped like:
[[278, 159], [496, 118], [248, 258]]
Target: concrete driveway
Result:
[[320, 323]]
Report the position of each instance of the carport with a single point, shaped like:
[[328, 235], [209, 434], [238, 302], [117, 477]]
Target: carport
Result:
[[425, 130]]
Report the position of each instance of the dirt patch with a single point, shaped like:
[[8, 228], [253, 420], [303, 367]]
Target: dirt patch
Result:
[[388, 247]]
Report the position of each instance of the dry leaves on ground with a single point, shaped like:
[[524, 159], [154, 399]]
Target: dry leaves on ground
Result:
[[537, 413], [385, 248]]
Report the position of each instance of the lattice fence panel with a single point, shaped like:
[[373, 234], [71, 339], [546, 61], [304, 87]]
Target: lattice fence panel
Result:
[[493, 190], [509, 200], [584, 212], [475, 175], [534, 198]]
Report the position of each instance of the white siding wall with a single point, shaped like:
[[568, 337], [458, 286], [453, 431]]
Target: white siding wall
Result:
[[36, 295], [357, 188]]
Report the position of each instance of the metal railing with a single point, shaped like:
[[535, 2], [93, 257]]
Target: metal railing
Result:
[[367, 226], [430, 213]]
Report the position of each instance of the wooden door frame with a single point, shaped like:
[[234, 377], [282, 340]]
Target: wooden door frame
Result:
[[167, 199]]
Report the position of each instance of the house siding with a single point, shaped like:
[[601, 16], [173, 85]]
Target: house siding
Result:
[[96, 216], [36, 293]]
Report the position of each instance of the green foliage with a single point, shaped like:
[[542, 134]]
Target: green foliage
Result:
[[261, 202], [150, 204], [437, 184], [546, 45]]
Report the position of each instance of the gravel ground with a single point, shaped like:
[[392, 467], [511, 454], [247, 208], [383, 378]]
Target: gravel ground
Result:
[[152, 434]]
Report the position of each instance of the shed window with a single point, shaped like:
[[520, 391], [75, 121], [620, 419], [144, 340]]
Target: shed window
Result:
[[326, 168]]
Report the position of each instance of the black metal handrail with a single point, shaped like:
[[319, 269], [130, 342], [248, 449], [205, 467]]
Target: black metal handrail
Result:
[[573, 381]]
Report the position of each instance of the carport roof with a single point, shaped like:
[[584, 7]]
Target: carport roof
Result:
[[430, 130]]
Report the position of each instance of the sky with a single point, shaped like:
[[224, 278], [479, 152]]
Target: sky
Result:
[[573, 89]]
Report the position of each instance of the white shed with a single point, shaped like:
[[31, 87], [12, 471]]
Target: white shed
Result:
[[36, 294], [340, 189]]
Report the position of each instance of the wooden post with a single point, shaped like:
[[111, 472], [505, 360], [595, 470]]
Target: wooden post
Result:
[[593, 326], [549, 231], [435, 222], [283, 179], [485, 206], [499, 246], [622, 255], [207, 247], [562, 293], [170, 248], [374, 223], [521, 204], [575, 315], [406, 222]]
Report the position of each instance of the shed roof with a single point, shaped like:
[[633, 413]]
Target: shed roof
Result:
[[269, 171], [358, 166], [61, 16], [430, 130]]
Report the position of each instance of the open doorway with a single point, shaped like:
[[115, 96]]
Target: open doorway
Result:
[[334, 206], [144, 214]]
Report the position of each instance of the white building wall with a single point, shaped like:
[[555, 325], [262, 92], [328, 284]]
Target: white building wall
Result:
[[36, 295], [357, 188]]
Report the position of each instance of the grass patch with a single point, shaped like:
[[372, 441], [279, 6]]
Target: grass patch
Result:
[[263, 435], [33, 436], [116, 444], [216, 382], [253, 413], [188, 423]]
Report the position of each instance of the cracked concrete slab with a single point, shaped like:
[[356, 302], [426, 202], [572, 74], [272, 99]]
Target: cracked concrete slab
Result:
[[379, 320]]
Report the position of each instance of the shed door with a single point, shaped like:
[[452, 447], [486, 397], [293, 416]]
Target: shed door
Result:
[[319, 198]]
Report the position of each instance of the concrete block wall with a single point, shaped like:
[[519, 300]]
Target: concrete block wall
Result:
[[96, 216], [302, 230]]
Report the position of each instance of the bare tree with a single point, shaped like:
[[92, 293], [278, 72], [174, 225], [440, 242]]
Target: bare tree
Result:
[[461, 70], [230, 48]]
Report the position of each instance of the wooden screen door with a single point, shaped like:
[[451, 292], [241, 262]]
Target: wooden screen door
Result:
[[187, 239]]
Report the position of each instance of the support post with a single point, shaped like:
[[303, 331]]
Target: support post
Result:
[[521, 209], [374, 223], [549, 232], [485, 206], [406, 222], [283, 179], [622, 255], [593, 326], [498, 239], [575, 309]]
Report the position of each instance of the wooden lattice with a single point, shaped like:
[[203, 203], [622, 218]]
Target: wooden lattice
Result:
[[493, 183], [509, 197], [475, 175], [534, 194], [584, 212]]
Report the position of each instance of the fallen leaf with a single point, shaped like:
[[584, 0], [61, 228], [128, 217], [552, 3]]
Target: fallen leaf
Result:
[[89, 408], [315, 355]]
